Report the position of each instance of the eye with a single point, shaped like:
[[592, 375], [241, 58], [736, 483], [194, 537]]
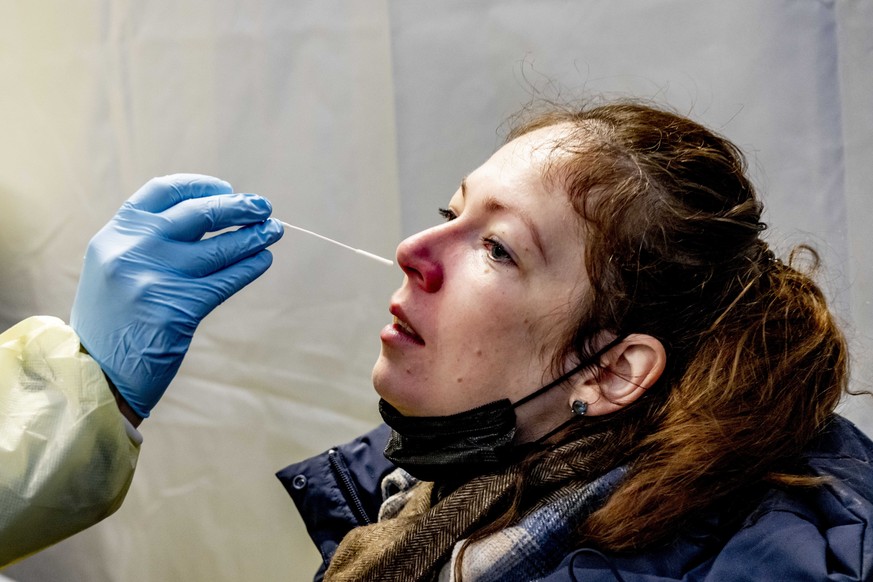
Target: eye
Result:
[[447, 214], [497, 251]]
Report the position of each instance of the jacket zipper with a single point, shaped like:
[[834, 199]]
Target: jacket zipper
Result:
[[344, 480]]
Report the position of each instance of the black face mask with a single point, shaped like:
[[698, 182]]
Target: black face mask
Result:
[[461, 445]]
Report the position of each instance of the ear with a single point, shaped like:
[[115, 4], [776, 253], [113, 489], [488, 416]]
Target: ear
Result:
[[626, 371]]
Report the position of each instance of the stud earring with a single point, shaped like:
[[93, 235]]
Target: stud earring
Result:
[[579, 407]]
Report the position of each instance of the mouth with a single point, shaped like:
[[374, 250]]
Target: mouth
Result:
[[404, 329]]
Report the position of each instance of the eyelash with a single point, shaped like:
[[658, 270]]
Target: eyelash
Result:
[[492, 245], [447, 214]]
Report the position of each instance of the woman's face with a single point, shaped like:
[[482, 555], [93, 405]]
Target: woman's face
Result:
[[488, 294]]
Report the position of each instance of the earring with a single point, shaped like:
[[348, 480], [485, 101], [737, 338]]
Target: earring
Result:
[[579, 407]]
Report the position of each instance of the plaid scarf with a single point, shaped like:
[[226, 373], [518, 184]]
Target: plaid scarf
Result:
[[534, 547], [418, 541]]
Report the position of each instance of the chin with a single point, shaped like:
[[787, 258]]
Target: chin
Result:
[[392, 393], [381, 383]]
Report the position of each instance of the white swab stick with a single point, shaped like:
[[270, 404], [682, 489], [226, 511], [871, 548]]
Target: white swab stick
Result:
[[336, 242]]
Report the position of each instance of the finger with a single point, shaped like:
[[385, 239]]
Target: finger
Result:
[[161, 193], [189, 220], [219, 286], [202, 258]]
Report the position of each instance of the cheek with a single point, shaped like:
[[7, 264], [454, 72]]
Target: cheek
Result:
[[547, 325], [502, 329]]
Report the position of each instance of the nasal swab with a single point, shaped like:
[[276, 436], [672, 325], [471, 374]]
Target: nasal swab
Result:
[[359, 251]]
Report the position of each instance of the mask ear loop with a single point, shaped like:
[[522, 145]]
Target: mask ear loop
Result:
[[563, 378]]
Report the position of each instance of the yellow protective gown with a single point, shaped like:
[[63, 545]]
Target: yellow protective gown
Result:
[[67, 454]]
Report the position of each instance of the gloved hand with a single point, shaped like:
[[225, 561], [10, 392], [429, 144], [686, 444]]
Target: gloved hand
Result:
[[148, 278]]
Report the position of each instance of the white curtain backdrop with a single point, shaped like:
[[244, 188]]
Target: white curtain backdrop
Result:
[[358, 118]]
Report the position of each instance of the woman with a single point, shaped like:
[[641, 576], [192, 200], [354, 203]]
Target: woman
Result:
[[598, 370]]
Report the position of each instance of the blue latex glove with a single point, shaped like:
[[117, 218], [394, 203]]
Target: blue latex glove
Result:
[[148, 278]]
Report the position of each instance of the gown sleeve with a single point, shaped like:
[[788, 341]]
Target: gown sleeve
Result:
[[67, 455]]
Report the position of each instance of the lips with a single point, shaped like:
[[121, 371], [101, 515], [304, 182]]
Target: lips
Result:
[[403, 328]]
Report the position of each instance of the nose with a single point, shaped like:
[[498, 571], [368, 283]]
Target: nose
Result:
[[420, 258]]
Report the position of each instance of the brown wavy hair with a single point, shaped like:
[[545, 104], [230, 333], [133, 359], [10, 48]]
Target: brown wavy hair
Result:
[[756, 361]]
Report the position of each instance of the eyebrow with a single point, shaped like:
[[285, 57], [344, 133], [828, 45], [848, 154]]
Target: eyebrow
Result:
[[493, 205]]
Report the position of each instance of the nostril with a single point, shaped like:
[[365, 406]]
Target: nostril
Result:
[[432, 278], [425, 274], [416, 258], [412, 273]]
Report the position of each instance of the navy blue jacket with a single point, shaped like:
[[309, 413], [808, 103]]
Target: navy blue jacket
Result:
[[823, 533]]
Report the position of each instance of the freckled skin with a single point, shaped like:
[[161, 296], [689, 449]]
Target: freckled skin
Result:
[[487, 323]]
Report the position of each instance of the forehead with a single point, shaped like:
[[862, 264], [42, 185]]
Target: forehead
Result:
[[520, 169]]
